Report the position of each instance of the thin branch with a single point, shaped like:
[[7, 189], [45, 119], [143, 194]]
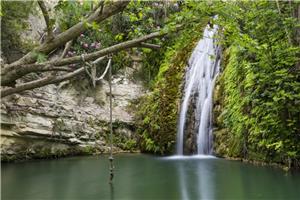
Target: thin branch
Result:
[[66, 49], [98, 60], [67, 76], [150, 46], [47, 19], [92, 74], [39, 83], [87, 71], [26, 86], [85, 64], [51, 68]]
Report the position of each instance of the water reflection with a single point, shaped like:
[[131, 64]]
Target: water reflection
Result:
[[111, 187], [206, 182], [195, 184], [182, 181]]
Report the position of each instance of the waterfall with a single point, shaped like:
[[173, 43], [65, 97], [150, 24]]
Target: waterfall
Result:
[[202, 70]]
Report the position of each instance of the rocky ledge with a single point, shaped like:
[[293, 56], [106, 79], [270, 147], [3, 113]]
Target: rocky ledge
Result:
[[61, 120]]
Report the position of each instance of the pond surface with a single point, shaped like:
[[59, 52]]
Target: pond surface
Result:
[[140, 177]]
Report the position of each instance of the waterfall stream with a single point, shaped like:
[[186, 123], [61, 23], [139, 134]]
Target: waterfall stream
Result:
[[203, 68]]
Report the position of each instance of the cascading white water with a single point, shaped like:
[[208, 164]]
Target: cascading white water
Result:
[[203, 68]]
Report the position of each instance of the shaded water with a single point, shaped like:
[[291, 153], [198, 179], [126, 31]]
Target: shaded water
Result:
[[146, 177], [203, 68]]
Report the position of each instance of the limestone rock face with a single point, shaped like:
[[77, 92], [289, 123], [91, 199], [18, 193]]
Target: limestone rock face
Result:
[[62, 120]]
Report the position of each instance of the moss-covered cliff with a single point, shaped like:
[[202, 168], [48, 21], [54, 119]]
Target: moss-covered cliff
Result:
[[158, 111], [257, 110]]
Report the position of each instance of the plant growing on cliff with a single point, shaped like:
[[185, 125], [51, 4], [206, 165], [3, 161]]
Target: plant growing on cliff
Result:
[[261, 80]]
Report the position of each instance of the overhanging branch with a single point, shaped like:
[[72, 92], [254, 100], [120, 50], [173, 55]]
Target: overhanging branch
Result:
[[101, 13], [40, 83], [13, 72]]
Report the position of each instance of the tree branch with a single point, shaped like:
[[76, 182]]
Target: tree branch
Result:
[[150, 46], [47, 19], [51, 79], [13, 72], [99, 15], [51, 68], [41, 82], [66, 49]]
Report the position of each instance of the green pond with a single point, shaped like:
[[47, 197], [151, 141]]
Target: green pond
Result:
[[139, 176]]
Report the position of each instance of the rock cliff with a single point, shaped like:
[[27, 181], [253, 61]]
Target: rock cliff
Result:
[[59, 120]]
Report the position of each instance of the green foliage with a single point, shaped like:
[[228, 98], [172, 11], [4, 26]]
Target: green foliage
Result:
[[261, 89], [69, 13], [88, 150], [13, 20], [40, 57], [141, 18], [130, 145]]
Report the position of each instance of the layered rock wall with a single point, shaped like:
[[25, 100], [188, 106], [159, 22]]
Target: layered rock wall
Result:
[[59, 120]]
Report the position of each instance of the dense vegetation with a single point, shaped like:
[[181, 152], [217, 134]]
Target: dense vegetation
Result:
[[260, 83]]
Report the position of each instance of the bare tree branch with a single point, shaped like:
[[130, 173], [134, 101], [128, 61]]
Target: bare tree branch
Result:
[[44, 81], [26, 86], [67, 48], [11, 73], [51, 79], [40, 82], [47, 20], [51, 68], [151, 46]]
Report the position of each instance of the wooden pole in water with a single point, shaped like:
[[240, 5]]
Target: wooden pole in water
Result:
[[111, 159]]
